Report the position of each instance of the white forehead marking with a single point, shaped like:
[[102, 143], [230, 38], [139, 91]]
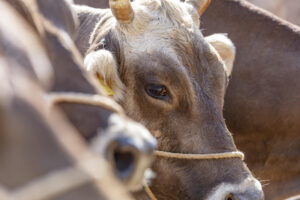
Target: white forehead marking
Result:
[[157, 25]]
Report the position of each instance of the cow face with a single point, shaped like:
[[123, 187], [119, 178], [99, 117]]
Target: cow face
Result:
[[169, 77]]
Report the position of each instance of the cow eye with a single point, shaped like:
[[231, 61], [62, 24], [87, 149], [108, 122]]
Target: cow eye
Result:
[[157, 91]]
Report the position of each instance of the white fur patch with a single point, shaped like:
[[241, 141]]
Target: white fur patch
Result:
[[249, 184], [70, 1], [151, 29], [225, 48], [103, 63]]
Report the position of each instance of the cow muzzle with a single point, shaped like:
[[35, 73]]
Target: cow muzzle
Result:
[[249, 189], [128, 147]]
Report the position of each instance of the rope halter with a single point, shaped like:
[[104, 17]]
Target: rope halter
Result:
[[188, 156], [215, 156]]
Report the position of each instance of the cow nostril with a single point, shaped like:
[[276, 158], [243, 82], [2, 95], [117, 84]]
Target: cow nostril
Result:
[[123, 155], [124, 161], [230, 197], [249, 195]]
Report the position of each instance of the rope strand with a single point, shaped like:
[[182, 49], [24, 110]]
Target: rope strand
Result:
[[188, 156], [149, 192], [234, 154]]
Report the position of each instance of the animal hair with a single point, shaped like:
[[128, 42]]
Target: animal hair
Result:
[[102, 63], [225, 48]]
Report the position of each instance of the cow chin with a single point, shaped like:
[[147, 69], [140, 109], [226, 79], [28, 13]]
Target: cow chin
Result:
[[249, 189]]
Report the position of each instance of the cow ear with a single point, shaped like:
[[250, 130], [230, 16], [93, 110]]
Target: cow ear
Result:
[[225, 49], [102, 64]]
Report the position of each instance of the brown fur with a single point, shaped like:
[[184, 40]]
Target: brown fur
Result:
[[262, 102]]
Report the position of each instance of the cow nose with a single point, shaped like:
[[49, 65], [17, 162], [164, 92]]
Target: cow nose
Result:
[[123, 155], [249, 189], [248, 195], [130, 158]]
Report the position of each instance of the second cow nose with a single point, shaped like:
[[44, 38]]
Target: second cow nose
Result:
[[249, 195], [123, 154]]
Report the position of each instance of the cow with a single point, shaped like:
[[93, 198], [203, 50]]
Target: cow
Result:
[[41, 155], [127, 145], [262, 107], [166, 75]]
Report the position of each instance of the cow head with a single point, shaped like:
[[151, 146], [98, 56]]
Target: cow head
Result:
[[169, 77]]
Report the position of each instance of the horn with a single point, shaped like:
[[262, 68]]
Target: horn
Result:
[[122, 10], [199, 5]]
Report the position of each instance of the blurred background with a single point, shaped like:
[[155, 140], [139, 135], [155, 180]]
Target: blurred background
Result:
[[285, 9]]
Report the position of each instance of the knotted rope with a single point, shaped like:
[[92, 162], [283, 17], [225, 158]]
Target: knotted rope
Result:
[[188, 156]]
